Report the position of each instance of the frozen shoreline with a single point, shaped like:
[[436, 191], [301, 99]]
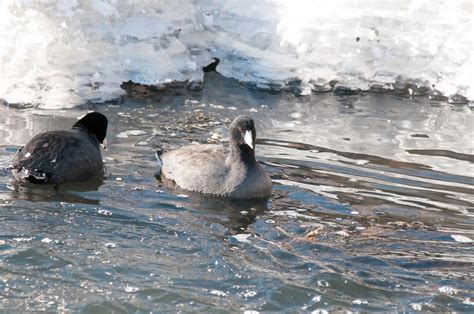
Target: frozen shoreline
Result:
[[62, 53]]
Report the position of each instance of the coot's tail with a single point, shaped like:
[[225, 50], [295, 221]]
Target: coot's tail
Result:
[[36, 176]]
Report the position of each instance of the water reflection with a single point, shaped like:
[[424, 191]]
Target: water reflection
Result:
[[235, 215], [69, 193]]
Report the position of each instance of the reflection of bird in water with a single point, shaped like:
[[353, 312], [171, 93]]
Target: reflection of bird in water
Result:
[[69, 193], [212, 67], [236, 215]]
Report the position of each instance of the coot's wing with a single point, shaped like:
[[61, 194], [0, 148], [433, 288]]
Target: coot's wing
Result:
[[57, 157], [199, 168]]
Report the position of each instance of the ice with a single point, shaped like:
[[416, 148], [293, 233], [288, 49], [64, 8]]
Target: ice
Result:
[[23, 239], [46, 240], [417, 306], [110, 245], [128, 133], [343, 233], [61, 53], [130, 289], [468, 301], [323, 283], [244, 238], [250, 294], [104, 212], [219, 293], [447, 290], [461, 238]]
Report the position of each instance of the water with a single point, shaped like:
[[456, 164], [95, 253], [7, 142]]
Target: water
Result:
[[372, 209]]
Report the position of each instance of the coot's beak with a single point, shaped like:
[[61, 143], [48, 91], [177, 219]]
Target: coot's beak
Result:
[[104, 144], [249, 139]]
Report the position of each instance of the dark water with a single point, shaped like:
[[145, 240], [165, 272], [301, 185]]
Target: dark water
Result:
[[372, 210]]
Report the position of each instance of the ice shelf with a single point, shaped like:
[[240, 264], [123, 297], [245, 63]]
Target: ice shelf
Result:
[[58, 54]]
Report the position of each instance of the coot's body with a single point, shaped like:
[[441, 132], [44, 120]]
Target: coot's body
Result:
[[210, 169], [64, 156]]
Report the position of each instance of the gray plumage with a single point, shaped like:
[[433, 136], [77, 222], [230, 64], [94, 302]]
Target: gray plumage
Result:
[[64, 156], [211, 169]]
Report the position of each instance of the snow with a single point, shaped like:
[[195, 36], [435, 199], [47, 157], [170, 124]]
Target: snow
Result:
[[62, 53]]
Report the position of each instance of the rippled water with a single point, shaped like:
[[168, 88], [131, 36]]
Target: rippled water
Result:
[[372, 209]]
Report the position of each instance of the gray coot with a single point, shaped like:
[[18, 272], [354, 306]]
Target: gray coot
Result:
[[65, 156], [209, 169]]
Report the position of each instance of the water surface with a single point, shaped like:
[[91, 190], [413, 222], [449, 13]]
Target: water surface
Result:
[[372, 209]]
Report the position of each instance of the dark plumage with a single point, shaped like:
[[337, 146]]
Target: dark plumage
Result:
[[210, 169], [64, 156]]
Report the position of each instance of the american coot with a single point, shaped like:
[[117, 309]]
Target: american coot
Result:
[[210, 170], [65, 156]]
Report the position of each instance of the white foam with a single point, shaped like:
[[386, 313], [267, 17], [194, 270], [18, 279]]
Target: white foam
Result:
[[250, 294], [130, 289], [417, 306], [448, 290], [219, 293]]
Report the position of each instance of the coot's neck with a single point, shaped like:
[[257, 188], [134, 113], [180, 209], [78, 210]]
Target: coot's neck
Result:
[[242, 153], [82, 128]]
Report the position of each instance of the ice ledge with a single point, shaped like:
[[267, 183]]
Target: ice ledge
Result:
[[59, 54]]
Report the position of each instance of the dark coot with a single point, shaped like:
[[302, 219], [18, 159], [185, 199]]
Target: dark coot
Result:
[[64, 156]]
